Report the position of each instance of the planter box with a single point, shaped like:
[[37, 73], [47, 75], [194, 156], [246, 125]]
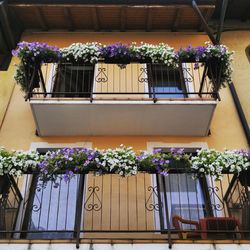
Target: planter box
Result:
[[117, 61], [244, 178]]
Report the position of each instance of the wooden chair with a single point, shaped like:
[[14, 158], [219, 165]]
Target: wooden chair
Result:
[[218, 227], [184, 234], [221, 225]]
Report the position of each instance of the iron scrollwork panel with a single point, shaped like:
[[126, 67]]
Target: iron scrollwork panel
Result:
[[93, 201], [152, 202], [101, 76]]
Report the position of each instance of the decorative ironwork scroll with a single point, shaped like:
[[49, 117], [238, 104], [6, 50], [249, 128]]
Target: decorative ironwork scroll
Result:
[[188, 76], [150, 204], [101, 76], [143, 77], [218, 204], [93, 201]]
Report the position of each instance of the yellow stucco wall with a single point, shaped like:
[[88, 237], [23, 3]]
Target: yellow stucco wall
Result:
[[6, 89], [18, 129], [238, 41]]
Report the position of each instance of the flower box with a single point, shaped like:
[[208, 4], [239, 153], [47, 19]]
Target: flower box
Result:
[[244, 177], [117, 60]]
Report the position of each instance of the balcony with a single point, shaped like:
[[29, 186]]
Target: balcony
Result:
[[123, 99], [141, 208]]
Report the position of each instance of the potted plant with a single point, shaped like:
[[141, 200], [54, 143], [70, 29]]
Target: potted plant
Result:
[[81, 53], [32, 54], [117, 53]]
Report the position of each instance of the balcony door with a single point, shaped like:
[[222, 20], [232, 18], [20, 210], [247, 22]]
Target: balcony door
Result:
[[183, 196], [165, 82], [73, 80], [51, 207]]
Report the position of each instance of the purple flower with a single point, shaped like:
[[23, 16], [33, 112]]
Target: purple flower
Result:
[[115, 51], [157, 150], [35, 51]]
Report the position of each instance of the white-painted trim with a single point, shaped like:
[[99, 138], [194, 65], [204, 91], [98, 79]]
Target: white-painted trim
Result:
[[152, 145], [35, 145], [120, 102], [189, 85], [94, 84], [51, 78], [145, 76]]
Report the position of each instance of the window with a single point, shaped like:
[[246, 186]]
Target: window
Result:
[[73, 80], [10, 200], [185, 197], [51, 206], [165, 82]]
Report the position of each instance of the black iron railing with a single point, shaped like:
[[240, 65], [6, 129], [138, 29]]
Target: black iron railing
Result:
[[193, 81], [142, 207]]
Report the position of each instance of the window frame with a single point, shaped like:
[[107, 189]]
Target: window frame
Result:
[[193, 146], [178, 72], [57, 85], [43, 146]]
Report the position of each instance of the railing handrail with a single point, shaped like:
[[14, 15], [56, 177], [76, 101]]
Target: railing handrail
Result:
[[154, 85]]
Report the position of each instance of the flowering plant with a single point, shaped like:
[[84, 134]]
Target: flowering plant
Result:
[[19, 77], [219, 56], [118, 51], [161, 162], [36, 52], [67, 161], [214, 163], [224, 59], [121, 160], [31, 54], [17, 162], [195, 54], [81, 53], [161, 53]]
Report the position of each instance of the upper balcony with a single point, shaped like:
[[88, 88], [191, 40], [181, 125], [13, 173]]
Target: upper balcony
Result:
[[123, 99]]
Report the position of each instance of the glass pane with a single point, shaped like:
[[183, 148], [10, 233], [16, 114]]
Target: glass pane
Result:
[[53, 207], [185, 198], [76, 80], [165, 82]]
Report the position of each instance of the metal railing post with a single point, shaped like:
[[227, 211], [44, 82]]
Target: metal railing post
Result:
[[166, 208], [79, 209]]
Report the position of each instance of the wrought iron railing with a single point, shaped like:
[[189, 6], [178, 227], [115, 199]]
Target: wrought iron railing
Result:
[[142, 207], [193, 81]]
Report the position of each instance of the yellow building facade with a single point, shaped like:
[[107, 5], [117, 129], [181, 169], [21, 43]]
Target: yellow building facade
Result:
[[114, 208]]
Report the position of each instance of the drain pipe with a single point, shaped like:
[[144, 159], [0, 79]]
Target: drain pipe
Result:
[[240, 112], [231, 86]]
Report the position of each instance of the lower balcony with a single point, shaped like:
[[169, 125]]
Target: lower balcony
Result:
[[131, 99], [138, 209]]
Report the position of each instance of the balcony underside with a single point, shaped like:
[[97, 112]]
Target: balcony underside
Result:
[[110, 15], [102, 117]]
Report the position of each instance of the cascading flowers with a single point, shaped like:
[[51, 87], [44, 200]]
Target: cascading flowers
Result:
[[214, 163], [120, 160], [160, 161], [161, 53], [81, 53], [67, 162], [16, 163], [36, 52], [219, 56]]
